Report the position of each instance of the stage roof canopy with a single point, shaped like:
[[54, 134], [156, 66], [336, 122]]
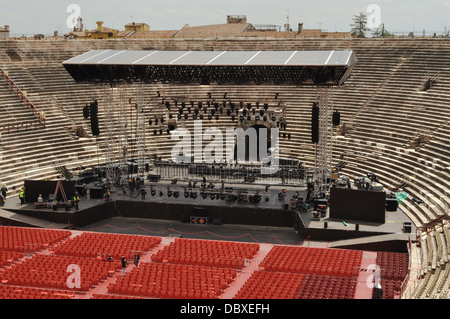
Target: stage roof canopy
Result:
[[206, 67]]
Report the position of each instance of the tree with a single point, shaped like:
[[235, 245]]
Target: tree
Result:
[[381, 32], [359, 26]]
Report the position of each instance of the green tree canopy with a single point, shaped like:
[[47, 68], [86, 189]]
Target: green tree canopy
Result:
[[359, 25]]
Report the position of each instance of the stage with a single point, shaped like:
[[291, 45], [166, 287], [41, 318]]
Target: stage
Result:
[[272, 221]]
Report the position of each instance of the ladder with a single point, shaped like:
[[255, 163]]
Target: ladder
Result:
[[61, 188]]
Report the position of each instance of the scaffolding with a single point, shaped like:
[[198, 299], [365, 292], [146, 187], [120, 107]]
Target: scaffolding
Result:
[[140, 129], [323, 152]]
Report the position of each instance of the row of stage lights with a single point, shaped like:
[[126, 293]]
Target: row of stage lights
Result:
[[256, 198], [213, 110]]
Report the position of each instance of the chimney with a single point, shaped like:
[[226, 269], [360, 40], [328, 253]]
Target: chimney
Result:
[[300, 28], [99, 25]]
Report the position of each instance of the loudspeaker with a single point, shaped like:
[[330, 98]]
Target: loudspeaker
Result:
[[94, 119], [86, 112], [315, 124], [336, 118], [391, 204], [407, 227]]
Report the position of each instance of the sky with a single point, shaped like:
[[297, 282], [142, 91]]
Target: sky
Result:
[[46, 16]]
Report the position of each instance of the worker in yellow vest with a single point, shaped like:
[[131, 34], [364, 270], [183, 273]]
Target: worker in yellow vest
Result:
[[22, 196]]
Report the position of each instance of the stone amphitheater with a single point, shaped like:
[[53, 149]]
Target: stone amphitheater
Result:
[[395, 112]]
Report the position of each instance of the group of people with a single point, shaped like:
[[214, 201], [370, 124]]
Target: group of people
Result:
[[135, 183], [123, 261]]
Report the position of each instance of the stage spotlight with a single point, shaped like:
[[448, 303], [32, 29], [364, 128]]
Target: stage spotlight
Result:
[[183, 104], [249, 106], [168, 105], [244, 112], [201, 117], [180, 111], [249, 118], [229, 112], [266, 106], [179, 117], [156, 121], [241, 118], [153, 193], [186, 195], [154, 132], [186, 116], [210, 117], [169, 193], [161, 132], [217, 117], [261, 112], [204, 195], [233, 118], [265, 118], [150, 122], [258, 118], [162, 121], [161, 194]]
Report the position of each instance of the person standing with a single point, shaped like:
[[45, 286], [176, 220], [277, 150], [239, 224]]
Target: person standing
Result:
[[22, 196], [4, 191], [136, 259], [143, 193], [124, 265]]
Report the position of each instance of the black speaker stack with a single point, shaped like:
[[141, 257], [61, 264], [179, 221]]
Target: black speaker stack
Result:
[[94, 118], [315, 123]]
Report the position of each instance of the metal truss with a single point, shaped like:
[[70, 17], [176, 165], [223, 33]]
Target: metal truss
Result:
[[322, 166], [140, 128]]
